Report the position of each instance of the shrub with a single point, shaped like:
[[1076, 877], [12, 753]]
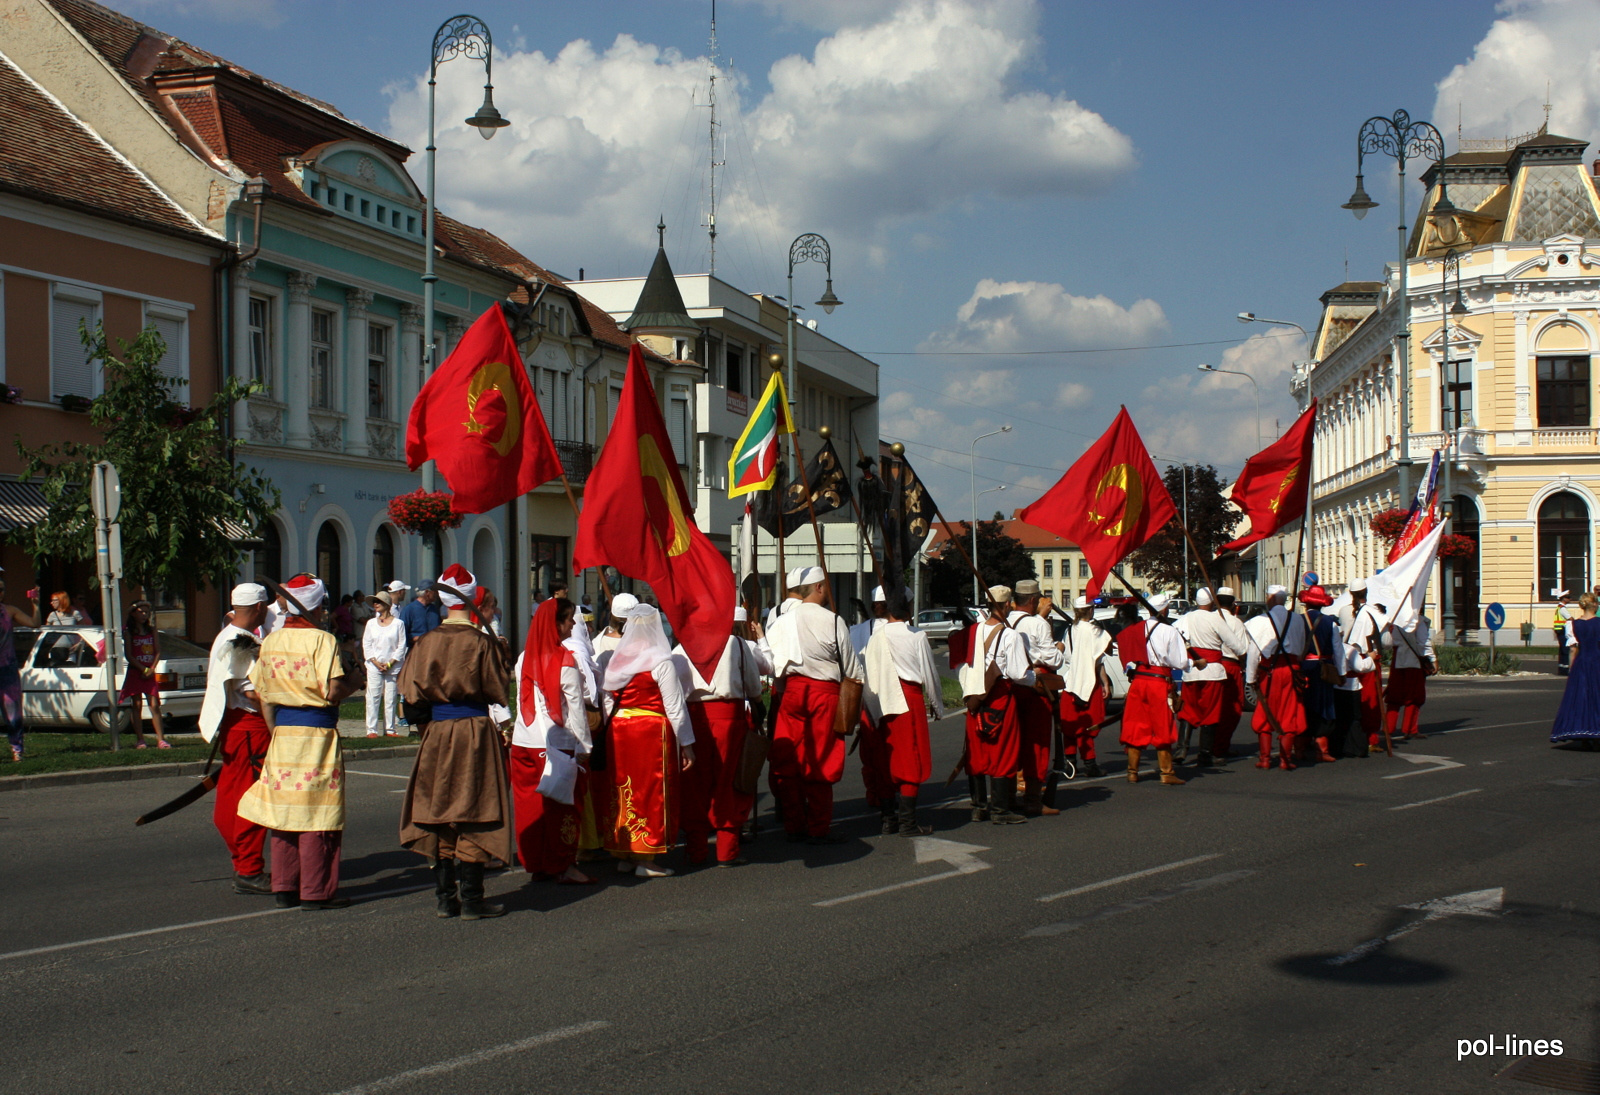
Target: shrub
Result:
[[1465, 661]]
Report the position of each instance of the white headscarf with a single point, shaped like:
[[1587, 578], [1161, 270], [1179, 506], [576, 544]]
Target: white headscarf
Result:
[[643, 647]]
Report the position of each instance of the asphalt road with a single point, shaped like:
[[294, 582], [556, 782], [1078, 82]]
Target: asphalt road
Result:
[[1212, 970]]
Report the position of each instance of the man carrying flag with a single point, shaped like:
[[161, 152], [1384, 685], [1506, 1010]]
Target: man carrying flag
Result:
[[477, 418], [1274, 485]]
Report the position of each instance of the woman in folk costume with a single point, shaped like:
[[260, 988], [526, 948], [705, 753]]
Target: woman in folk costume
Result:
[[300, 681], [901, 682], [719, 711], [550, 719], [651, 742], [457, 808]]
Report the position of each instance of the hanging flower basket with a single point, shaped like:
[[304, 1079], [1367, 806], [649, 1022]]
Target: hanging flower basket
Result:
[[1388, 525], [421, 512], [1454, 546]]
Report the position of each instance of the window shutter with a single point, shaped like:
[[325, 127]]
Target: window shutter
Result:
[[70, 371], [172, 334], [678, 429], [563, 390], [545, 383]]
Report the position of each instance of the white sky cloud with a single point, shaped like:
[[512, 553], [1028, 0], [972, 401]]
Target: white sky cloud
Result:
[[1005, 316], [1072, 395], [882, 122], [1533, 45]]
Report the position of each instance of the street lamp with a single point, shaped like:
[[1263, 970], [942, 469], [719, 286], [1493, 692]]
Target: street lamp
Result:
[[1253, 384], [972, 479], [1447, 381], [1401, 138], [459, 36], [981, 493], [808, 247]]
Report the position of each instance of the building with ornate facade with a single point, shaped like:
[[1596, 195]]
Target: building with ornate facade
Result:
[[1504, 295]]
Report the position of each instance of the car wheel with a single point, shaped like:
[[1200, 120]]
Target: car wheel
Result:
[[101, 724]]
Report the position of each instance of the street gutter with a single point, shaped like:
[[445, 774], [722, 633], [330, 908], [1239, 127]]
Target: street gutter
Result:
[[42, 780]]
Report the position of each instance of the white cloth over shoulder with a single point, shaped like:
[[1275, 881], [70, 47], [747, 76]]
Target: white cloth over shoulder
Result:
[[899, 652], [1264, 630], [1087, 642], [738, 674], [233, 655], [811, 641], [1203, 629], [1163, 646], [543, 733], [1412, 644], [995, 644], [1041, 640], [861, 633]]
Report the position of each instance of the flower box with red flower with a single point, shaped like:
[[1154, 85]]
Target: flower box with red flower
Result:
[[421, 512]]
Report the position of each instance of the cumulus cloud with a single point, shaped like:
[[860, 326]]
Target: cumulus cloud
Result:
[[1533, 45], [981, 387], [827, 14], [1007, 316], [1071, 395], [897, 117]]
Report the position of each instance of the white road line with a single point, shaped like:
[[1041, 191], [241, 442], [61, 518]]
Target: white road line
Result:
[[1147, 872], [941, 876], [1441, 798], [1439, 764], [385, 775], [1136, 903], [1491, 726], [478, 1058], [191, 924]]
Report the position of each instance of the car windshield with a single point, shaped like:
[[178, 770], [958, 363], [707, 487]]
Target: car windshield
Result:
[[175, 646]]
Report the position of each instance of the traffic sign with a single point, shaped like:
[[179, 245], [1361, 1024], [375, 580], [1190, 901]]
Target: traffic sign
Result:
[[1495, 616]]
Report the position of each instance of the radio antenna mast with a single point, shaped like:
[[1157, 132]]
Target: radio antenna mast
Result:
[[711, 217]]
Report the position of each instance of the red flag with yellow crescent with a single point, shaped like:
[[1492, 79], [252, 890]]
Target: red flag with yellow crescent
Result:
[[477, 418], [1273, 487], [637, 517], [1108, 503]]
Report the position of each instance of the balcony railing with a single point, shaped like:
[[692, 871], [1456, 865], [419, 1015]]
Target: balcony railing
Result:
[[577, 460]]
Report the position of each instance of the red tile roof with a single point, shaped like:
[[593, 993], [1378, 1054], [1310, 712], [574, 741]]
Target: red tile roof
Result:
[[1031, 537], [47, 154]]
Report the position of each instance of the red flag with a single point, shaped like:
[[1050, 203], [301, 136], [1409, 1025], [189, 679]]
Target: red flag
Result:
[[478, 419], [1108, 503], [1276, 481], [637, 517]]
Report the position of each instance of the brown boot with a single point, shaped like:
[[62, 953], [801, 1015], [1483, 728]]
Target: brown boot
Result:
[[1265, 759], [1327, 756], [1033, 805], [1168, 775], [1133, 764], [1288, 752]]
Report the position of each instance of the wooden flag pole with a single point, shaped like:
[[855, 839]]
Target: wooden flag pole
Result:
[[572, 500], [877, 571], [811, 512]]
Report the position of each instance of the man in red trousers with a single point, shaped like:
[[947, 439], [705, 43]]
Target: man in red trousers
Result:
[[1150, 650], [1205, 689], [901, 683], [1278, 641], [1036, 708], [1233, 665], [231, 709], [997, 668]]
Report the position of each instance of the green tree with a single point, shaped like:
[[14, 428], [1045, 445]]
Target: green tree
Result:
[[1001, 559], [1212, 519], [182, 489]]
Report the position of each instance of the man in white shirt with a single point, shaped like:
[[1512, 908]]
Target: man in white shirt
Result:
[[1561, 625], [1233, 665], [231, 708], [1278, 641], [1205, 631], [1083, 700], [1363, 633], [901, 683], [1035, 707], [997, 669], [862, 632], [1150, 650], [1413, 665], [811, 655]]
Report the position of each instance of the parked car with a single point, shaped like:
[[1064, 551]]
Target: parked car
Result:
[[64, 683], [937, 623]]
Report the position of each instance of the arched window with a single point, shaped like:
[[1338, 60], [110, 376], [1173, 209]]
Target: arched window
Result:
[[329, 560], [266, 560], [382, 558], [1563, 544], [1462, 571], [483, 559]]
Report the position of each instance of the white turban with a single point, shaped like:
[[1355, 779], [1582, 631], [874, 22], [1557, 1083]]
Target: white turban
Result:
[[810, 576], [1081, 602], [1159, 601], [1203, 598], [740, 615], [308, 590], [249, 593], [796, 578], [1358, 585], [999, 595], [456, 586], [878, 594], [1277, 591], [1224, 591]]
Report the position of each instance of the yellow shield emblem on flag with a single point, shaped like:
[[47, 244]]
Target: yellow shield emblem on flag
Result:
[[656, 470], [493, 411], [1118, 477]]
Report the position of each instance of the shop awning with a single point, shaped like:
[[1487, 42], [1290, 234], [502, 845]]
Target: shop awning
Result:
[[21, 505]]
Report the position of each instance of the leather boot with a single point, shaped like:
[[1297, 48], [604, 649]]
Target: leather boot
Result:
[[1133, 764], [1091, 770], [444, 889], [1033, 805], [1265, 759], [908, 817], [1286, 752], [1204, 758], [473, 905], [891, 823], [1003, 801], [1327, 756], [1168, 775], [978, 789]]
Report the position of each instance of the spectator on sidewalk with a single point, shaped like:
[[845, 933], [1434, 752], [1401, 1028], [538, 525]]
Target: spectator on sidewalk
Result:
[[383, 647], [423, 614], [10, 671]]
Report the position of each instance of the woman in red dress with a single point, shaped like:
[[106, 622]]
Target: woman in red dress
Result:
[[142, 645]]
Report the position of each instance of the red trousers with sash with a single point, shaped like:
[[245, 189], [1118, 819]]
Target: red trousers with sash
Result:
[[1079, 719], [245, 738], [710, 804], [994, 735], [1277, 690], [1232, 707], [546, 830], [1371, 709], [1147, 719], [807, 757], [903, 738], [1406, 693], [1035, 726], [1203, 701]]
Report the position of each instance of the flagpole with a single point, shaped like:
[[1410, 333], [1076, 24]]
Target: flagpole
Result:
[[811, 512], [572, 500], [861, 525]]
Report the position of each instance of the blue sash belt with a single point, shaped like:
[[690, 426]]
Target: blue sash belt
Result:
[[325, 718], [442, 711]]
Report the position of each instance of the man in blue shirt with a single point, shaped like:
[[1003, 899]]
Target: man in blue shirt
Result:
[[421, 614]]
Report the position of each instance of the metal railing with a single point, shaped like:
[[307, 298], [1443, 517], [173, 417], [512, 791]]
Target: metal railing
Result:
[[577, 460]]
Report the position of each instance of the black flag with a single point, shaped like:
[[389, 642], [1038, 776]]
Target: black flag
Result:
[[830, 489], [908, 515]]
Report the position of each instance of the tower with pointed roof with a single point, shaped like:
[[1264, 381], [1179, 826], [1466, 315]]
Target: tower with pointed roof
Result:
[[659, 318]]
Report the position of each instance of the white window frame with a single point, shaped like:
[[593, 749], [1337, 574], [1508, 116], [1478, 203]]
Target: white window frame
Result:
[[77, 294], [389, 402], [180, 316], [332, 345], [269, 359]]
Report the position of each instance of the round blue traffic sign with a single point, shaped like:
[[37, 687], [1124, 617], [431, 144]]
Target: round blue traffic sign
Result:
[[1495, 616]]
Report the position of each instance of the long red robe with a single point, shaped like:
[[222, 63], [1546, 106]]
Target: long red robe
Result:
[[643, 769]]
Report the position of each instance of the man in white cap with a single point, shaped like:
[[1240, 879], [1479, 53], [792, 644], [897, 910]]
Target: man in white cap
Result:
[[1150, 650], [1361, 624], [811, 655], [1204, 689], [902, 682], [300, 681], [457, 807], [397, 593], [861, 633], [1561, 624], [1278, 642], [997, 669], [1083, 700], [1036, 706], [1233, 665], [230, 708], [874, 753], [791, 595]]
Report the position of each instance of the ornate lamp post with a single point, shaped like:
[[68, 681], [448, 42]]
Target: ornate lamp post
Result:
[[809, 247], [459, 36], [1452, 258]]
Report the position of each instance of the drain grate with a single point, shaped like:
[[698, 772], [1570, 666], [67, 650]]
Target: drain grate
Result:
[[1556, 1073]]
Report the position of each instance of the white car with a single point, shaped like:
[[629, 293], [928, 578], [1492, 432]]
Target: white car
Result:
[[64, 684]]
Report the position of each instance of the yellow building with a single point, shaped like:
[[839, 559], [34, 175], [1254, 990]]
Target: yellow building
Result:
[[1505, 321]]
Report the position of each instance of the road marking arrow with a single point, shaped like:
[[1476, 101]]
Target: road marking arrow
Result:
[[1488, 903], [1439, 764], [928, 849]]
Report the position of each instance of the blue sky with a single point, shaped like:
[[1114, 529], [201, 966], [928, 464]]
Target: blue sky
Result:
[[993, 175]]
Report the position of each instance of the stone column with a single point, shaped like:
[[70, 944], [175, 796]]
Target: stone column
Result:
[[454, 328], [355, 370], [297, 359], [1521, 374], [410, 356], [240, 343]]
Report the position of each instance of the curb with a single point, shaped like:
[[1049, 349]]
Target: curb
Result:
[[152, 771]]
